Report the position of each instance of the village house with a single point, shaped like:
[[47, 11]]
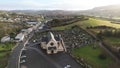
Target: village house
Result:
[[5, 39], [52, 44]]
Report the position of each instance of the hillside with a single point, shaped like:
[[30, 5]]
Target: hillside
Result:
[[104, 11], [91, 22]]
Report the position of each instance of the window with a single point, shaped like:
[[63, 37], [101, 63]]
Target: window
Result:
[[52, 48], [51, 43]]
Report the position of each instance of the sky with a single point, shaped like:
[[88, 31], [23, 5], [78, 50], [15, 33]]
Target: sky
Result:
[[54, 4]]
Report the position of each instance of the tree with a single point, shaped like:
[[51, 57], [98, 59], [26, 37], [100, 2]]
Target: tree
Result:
[[102, 56], [12, 35]]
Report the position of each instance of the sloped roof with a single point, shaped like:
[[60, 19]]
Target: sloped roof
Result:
[[51, 36]]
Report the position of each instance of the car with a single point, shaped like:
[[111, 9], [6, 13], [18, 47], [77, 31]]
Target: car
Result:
[[23, 49], [23, 56], [27, 44], [22, 61], [67, 66], [34, 41]]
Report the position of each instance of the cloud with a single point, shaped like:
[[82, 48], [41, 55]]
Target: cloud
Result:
[[55, 4]]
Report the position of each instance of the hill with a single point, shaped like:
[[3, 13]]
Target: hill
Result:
[[104, 11]]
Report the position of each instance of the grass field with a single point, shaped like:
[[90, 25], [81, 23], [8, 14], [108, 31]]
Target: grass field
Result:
[[90, 22], [90, 56]]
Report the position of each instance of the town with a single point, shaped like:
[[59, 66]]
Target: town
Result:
[[59, 34]]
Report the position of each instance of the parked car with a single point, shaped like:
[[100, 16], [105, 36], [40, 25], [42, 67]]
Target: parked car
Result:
[[22, 61]]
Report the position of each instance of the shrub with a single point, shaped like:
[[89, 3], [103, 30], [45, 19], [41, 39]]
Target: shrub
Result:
[[102, 56]]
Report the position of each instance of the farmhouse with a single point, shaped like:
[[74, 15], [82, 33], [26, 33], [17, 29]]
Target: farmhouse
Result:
[[52, 44]]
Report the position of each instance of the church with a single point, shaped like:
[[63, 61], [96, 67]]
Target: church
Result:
[[52, 44]]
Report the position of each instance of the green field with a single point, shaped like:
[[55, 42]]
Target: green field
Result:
[[90, 56], [90, 22]]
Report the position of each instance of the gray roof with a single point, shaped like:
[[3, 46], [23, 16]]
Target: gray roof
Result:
[[51, 36]]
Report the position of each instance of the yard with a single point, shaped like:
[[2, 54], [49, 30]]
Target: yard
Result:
[[91, 56]]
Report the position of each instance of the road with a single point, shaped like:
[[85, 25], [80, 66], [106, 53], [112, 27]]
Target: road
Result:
[[13, 61], [37, 58], [15, 53]]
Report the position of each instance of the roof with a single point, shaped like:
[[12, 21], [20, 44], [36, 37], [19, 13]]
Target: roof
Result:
[[51, 36], [6, 38], [20, 35], [44, 39], [57, 37], [32, 23]]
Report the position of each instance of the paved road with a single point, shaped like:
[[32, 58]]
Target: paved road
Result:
[[14, 57], [37, 58], [13, 61]]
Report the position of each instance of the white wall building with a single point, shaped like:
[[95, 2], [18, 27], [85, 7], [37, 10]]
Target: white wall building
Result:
[[5, 39], [52, 44], [20, 37]]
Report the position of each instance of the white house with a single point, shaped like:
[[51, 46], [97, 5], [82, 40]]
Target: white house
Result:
[[32, 23], [52, 44], [29, 30], [5, 39], [20, 37]]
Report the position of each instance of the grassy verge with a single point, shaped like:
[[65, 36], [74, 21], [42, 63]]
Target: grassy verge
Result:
[[5, 50], [91, 56]]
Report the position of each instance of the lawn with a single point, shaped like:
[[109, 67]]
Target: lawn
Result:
[[90, 56], [90, 22]]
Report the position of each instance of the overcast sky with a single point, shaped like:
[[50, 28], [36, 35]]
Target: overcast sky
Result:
[[54, 4]]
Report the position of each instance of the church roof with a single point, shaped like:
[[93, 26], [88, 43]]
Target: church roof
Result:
[[51, 36]]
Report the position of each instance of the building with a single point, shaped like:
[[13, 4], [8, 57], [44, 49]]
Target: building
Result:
[[27, 31], [20, 37], [52, 44], [32, 23], [5, 39]]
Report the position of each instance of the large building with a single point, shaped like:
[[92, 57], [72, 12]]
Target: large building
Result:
[[52, 44]]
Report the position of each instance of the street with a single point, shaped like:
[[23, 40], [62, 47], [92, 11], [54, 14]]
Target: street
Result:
[[37, 58]]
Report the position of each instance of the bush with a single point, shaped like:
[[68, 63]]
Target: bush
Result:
[[102, 56]]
